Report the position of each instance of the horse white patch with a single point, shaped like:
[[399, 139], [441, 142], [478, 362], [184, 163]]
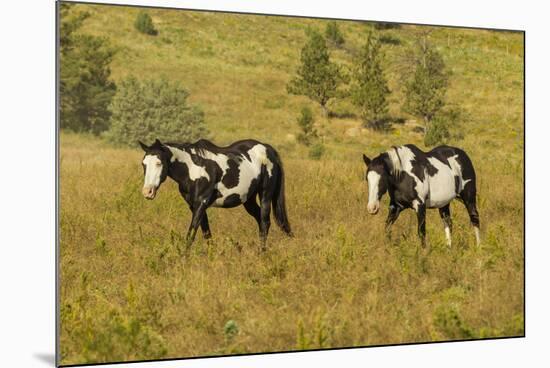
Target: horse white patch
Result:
[[442, 185], [395, 160], [248, 171], [219, 158], [373, 180], [458, 171], [153, 169], [259, 154], [406, 156], [195, 171]]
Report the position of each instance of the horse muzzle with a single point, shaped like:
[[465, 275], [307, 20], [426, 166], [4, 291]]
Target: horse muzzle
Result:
[[373, 208], [149, 192]]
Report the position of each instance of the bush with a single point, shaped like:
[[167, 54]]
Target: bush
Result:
[[306, 121], [153, 109], [437, 132], [230, 330], [445, 126], [144, 24], [333, 34], [316, 151], [449, 322]]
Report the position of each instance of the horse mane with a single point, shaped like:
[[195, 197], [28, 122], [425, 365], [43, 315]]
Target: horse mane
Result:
[[203, 145], [395, 162], [196, 148]]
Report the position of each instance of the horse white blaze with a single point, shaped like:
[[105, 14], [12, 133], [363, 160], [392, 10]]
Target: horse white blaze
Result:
[[373, 180], [153, 170]]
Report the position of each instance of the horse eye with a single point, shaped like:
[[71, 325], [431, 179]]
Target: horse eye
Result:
[[158, 163]]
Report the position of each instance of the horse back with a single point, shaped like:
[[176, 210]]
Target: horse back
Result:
[[449, 155]]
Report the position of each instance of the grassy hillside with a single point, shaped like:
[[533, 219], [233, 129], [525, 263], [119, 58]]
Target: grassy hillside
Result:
[[237, 66], [130, 291]]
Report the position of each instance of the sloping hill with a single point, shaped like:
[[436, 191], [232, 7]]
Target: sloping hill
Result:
[[237, 66]]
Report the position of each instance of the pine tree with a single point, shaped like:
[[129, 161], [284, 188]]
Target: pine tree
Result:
[[425, 91], [85, 86], [317, 77], [370, 88]]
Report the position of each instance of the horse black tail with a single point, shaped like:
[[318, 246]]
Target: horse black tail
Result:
[[278, 203]]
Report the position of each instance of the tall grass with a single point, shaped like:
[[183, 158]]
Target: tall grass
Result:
[[130, 290]]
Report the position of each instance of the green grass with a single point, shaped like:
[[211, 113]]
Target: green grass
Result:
[[129, 290]]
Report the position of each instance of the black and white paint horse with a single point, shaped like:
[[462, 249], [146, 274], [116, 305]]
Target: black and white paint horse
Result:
[[208, 175], [420, 180]]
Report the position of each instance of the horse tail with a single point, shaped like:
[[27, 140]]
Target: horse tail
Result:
[[278, 203]]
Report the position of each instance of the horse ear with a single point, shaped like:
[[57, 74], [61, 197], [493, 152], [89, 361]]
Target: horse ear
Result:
[[366, 159], [157, 142], [143, 146]]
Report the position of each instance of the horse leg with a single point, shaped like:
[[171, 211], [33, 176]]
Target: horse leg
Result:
[[421, 216], [393, 214], [265, 221], [204, 223], [205, 227], [266, 197], [198, 213], [468, 197], [474, 218], [253, 210], [445, 213], [191, 232]]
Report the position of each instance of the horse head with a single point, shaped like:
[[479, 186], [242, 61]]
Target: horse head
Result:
[[377, 176], [155, 167]]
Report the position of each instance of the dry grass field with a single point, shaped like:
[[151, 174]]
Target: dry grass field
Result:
[[130, 290]]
